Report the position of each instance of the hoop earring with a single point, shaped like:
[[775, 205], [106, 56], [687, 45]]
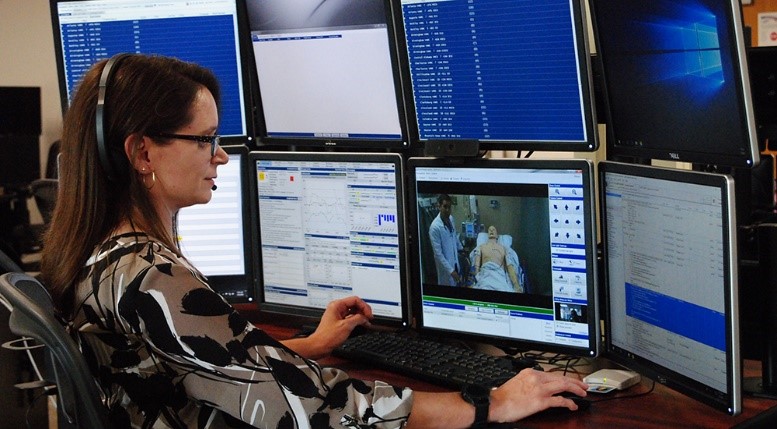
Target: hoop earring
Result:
[[153, 180]]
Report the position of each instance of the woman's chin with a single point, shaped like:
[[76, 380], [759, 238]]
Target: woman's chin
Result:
[[204, 198]]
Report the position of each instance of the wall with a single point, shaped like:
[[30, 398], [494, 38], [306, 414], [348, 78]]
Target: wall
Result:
[[750, 14]]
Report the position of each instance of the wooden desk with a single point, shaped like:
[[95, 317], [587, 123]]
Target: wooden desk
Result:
[[663, 408]]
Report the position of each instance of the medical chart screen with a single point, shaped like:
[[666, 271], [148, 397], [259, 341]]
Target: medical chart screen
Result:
[[668, 252], [331, 228], [520, 268]]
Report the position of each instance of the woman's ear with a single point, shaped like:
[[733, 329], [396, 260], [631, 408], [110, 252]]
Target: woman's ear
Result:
[[136, 148]]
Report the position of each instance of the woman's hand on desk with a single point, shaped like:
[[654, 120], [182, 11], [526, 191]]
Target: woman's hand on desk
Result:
[[338, 321]]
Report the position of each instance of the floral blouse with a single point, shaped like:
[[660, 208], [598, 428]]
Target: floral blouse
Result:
[[168, 351]]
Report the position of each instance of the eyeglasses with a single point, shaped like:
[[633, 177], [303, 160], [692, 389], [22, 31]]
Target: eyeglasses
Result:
[[213, 140]]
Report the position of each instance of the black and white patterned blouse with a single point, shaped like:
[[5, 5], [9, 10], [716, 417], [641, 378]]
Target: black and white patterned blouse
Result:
[[169, 352]]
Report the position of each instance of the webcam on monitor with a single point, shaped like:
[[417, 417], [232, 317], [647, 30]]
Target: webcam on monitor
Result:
[[451, 148]]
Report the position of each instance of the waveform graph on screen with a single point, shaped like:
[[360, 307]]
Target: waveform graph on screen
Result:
[[325, 207]]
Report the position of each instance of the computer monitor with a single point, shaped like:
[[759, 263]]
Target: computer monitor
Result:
[[502, 74], [218, 237], [331, 225], [327, 74], [676, 80], [670, 258], [526, 259], [20, 128], [204, 32], [20, 111]]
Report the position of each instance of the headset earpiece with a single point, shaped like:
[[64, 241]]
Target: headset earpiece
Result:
[[110, 158]]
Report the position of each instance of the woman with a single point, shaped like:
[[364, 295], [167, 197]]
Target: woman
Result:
[[164, 347]]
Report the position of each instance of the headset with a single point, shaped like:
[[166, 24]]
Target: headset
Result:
[[112, 160]]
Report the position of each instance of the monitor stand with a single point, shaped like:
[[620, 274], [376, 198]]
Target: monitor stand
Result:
[[766, 385]]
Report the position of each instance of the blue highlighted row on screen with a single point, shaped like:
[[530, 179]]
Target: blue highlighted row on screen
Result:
[[683, 318]]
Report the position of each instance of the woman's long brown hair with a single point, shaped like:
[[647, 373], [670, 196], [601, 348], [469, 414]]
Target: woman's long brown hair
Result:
[[147, 95]]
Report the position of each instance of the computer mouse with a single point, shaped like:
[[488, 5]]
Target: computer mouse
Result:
[[583, 403]]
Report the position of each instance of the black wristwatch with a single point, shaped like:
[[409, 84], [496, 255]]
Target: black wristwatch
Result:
[[480, 397]]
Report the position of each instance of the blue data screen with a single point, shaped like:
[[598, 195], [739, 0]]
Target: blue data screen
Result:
[[209, 41], [495, 70]]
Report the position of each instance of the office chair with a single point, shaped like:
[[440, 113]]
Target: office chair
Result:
[[44, 192], [8, 264], [32, 315], [52, 161], [28, 237]]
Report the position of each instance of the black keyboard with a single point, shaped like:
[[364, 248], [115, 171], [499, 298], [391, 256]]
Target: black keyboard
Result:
[[433, 361]]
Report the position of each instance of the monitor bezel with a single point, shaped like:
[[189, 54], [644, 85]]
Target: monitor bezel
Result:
[[730, 402], [312, 314], [594, 341], [243, 50], [586, 86], [264, 142], [738, 54], [220, 282]]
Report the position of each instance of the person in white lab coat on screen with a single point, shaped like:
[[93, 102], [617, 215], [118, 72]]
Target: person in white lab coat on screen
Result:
[[445, 244]]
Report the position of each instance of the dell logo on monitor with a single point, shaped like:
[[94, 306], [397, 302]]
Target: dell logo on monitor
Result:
[[674, 155]]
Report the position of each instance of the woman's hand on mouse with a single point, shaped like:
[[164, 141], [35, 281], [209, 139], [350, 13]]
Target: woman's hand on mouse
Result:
[[532, 391]]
